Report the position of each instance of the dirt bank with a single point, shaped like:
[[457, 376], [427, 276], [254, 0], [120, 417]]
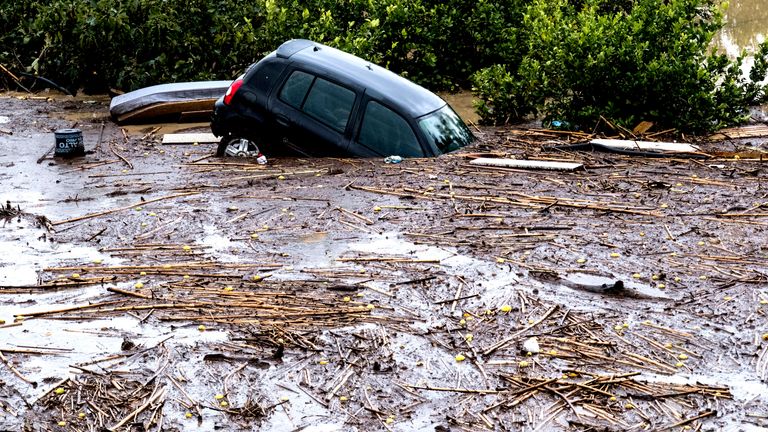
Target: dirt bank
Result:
[[176, 291]]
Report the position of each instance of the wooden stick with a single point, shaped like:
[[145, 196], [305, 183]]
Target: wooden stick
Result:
[[157, 395], [686, 421], [128, 293], [498, 345], [14, 370], [93, 215], [121, 157]]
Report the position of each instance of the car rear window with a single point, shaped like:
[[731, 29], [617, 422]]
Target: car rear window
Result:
[[388, 134], [295, 88], [330, 103], [264, 77]]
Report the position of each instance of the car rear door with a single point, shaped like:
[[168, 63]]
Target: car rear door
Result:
[[314, 114]]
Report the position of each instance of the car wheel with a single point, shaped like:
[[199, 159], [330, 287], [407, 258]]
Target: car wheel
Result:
[[237, 147]]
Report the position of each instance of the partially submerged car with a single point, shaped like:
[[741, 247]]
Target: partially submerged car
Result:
[[313, 100]]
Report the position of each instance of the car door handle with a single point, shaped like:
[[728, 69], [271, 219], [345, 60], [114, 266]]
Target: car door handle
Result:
[[282, 120]]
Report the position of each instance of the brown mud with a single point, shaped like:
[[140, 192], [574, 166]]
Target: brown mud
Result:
[[177, 291]]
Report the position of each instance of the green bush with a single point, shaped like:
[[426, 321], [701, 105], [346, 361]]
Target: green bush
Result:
[[133, 43], [626, 62]]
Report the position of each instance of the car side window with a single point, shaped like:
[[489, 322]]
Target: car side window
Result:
[[385, 132], [295, 88], [330, 103]]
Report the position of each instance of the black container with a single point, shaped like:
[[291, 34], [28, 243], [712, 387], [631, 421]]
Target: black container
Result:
[[69, 143]]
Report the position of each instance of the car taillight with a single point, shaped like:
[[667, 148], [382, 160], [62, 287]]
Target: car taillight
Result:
[[233, 88]]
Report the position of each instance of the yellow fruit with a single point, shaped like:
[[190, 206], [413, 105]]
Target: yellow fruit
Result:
[[765, 336], [201, 327], [188, 414], [701, 243], [139, 285], [370, 307], [254, 236], [224, 403], [682, 357], [62, 423], [346, 299], [59, 391], [727, 298], [323, 362], [460, 357], [343, 398], [524, 364], [642, 234], [629, 406], [143, 274], [137, 208], [677, 279], [81, 415], [661, 286], [469, 337], [702, 277], [462, 322], [284, 399], [581, 260], [612, 398], [501, 260], [256, 278], [377, 209], [281, 177], [97, 261], [219, 396], [75, 275], [615, 255], [185, 277], [186, 248], [655, 277], [636, 276], [506, 308], [679, 364], [153, 214]]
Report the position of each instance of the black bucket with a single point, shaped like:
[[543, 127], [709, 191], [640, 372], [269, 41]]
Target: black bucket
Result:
[[69, 143]]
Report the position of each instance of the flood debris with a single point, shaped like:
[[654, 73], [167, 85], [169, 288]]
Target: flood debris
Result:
[[177, 101], [197, 293], [527, 164], [190, 138]]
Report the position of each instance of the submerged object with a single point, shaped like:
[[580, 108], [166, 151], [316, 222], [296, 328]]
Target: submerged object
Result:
[[177, 102]]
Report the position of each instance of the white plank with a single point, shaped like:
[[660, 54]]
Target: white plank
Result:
[[527, 164], [189, 138], [646, 146]]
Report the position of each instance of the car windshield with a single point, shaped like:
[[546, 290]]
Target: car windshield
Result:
[[445, 130]]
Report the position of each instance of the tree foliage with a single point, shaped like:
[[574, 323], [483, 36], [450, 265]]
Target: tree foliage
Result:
[[574, 60], [626, 62]]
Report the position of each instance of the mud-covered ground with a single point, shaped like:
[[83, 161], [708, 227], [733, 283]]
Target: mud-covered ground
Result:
[[154, 287]]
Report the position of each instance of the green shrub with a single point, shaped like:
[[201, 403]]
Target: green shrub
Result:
[[627, 62], [133, 43]]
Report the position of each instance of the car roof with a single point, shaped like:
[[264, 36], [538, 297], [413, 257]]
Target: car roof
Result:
[[382, 84]]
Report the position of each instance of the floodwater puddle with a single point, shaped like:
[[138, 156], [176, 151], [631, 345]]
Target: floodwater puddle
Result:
[[28, 249]]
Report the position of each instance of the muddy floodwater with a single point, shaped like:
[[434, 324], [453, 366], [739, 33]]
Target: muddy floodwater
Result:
[[156, 287], [746, 25]]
